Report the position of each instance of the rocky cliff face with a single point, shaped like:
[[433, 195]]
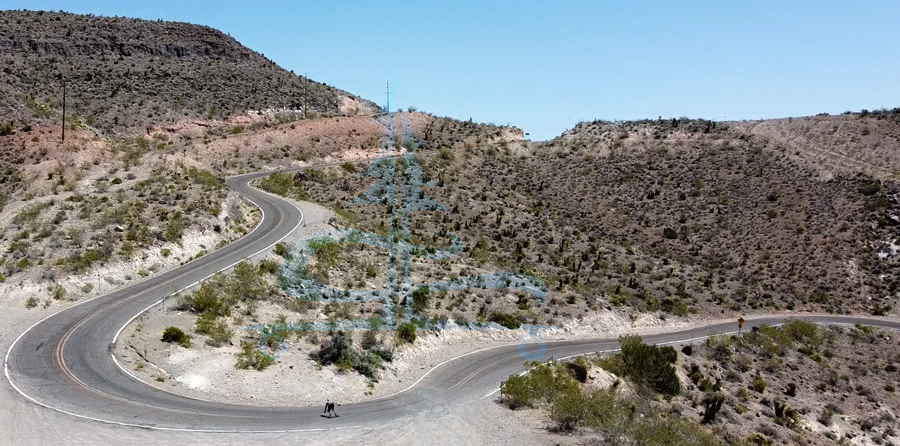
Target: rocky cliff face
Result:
[[129, 73]]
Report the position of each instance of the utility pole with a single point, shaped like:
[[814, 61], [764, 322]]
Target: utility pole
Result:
[[387, 92], [305, 94], [64, 111]]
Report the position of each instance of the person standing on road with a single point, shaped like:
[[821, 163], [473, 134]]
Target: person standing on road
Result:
[[329, 408]]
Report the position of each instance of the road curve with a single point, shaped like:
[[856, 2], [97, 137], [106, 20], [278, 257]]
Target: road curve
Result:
[[64, 363]]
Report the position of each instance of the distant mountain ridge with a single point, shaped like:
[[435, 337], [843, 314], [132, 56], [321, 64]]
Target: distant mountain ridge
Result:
[[124, 72]]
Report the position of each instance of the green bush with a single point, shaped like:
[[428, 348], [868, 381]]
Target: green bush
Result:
[[407, 332], [210, 325], [251, 358], [507, 320], [175, 228], [758, 384], [421, 296], [518, 391], [759, 439], [245, 283], [208, 299], [176, 335], [6, 129], [339, 350], [285, 185], [31, 302], [621, 419], [268, 267], [649, 365], [57, 291], [541, 383], [82, 262]]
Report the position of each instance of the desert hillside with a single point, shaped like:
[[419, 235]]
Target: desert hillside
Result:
[[633, 224], [123, 72]]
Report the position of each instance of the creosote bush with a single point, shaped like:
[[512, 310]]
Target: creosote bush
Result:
[[407, 332], [622, 420], [507, 320], [176, 335], [217, 329], [251, 358], [338, 350], [646, 365]]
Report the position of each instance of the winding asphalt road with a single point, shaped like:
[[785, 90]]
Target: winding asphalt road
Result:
[[64, 362]]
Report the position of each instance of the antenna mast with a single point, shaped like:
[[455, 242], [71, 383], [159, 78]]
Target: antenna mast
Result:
[[387, 92]]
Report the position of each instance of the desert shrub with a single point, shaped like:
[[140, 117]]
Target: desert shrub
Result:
[[791, 390], [721, 347], [268, 267], [543, 382], [758, 384], [612, 364], [282, 249], [407, 332], [82, 262], [208, 299], [518, 391], [802, 331], [552, 385], [759, 439], [278, 183], [383, 353], [711, 405], [421, 296], [210, 325], [205, 178], [57, 291], [245, 282], [339, 350], [175, 228], [251, 358], [369, 340], [572, 407], [649, 365], [507, 320], [31, 302], [176, 335]]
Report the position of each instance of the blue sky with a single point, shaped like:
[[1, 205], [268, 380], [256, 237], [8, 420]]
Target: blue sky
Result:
[[546, 65]]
